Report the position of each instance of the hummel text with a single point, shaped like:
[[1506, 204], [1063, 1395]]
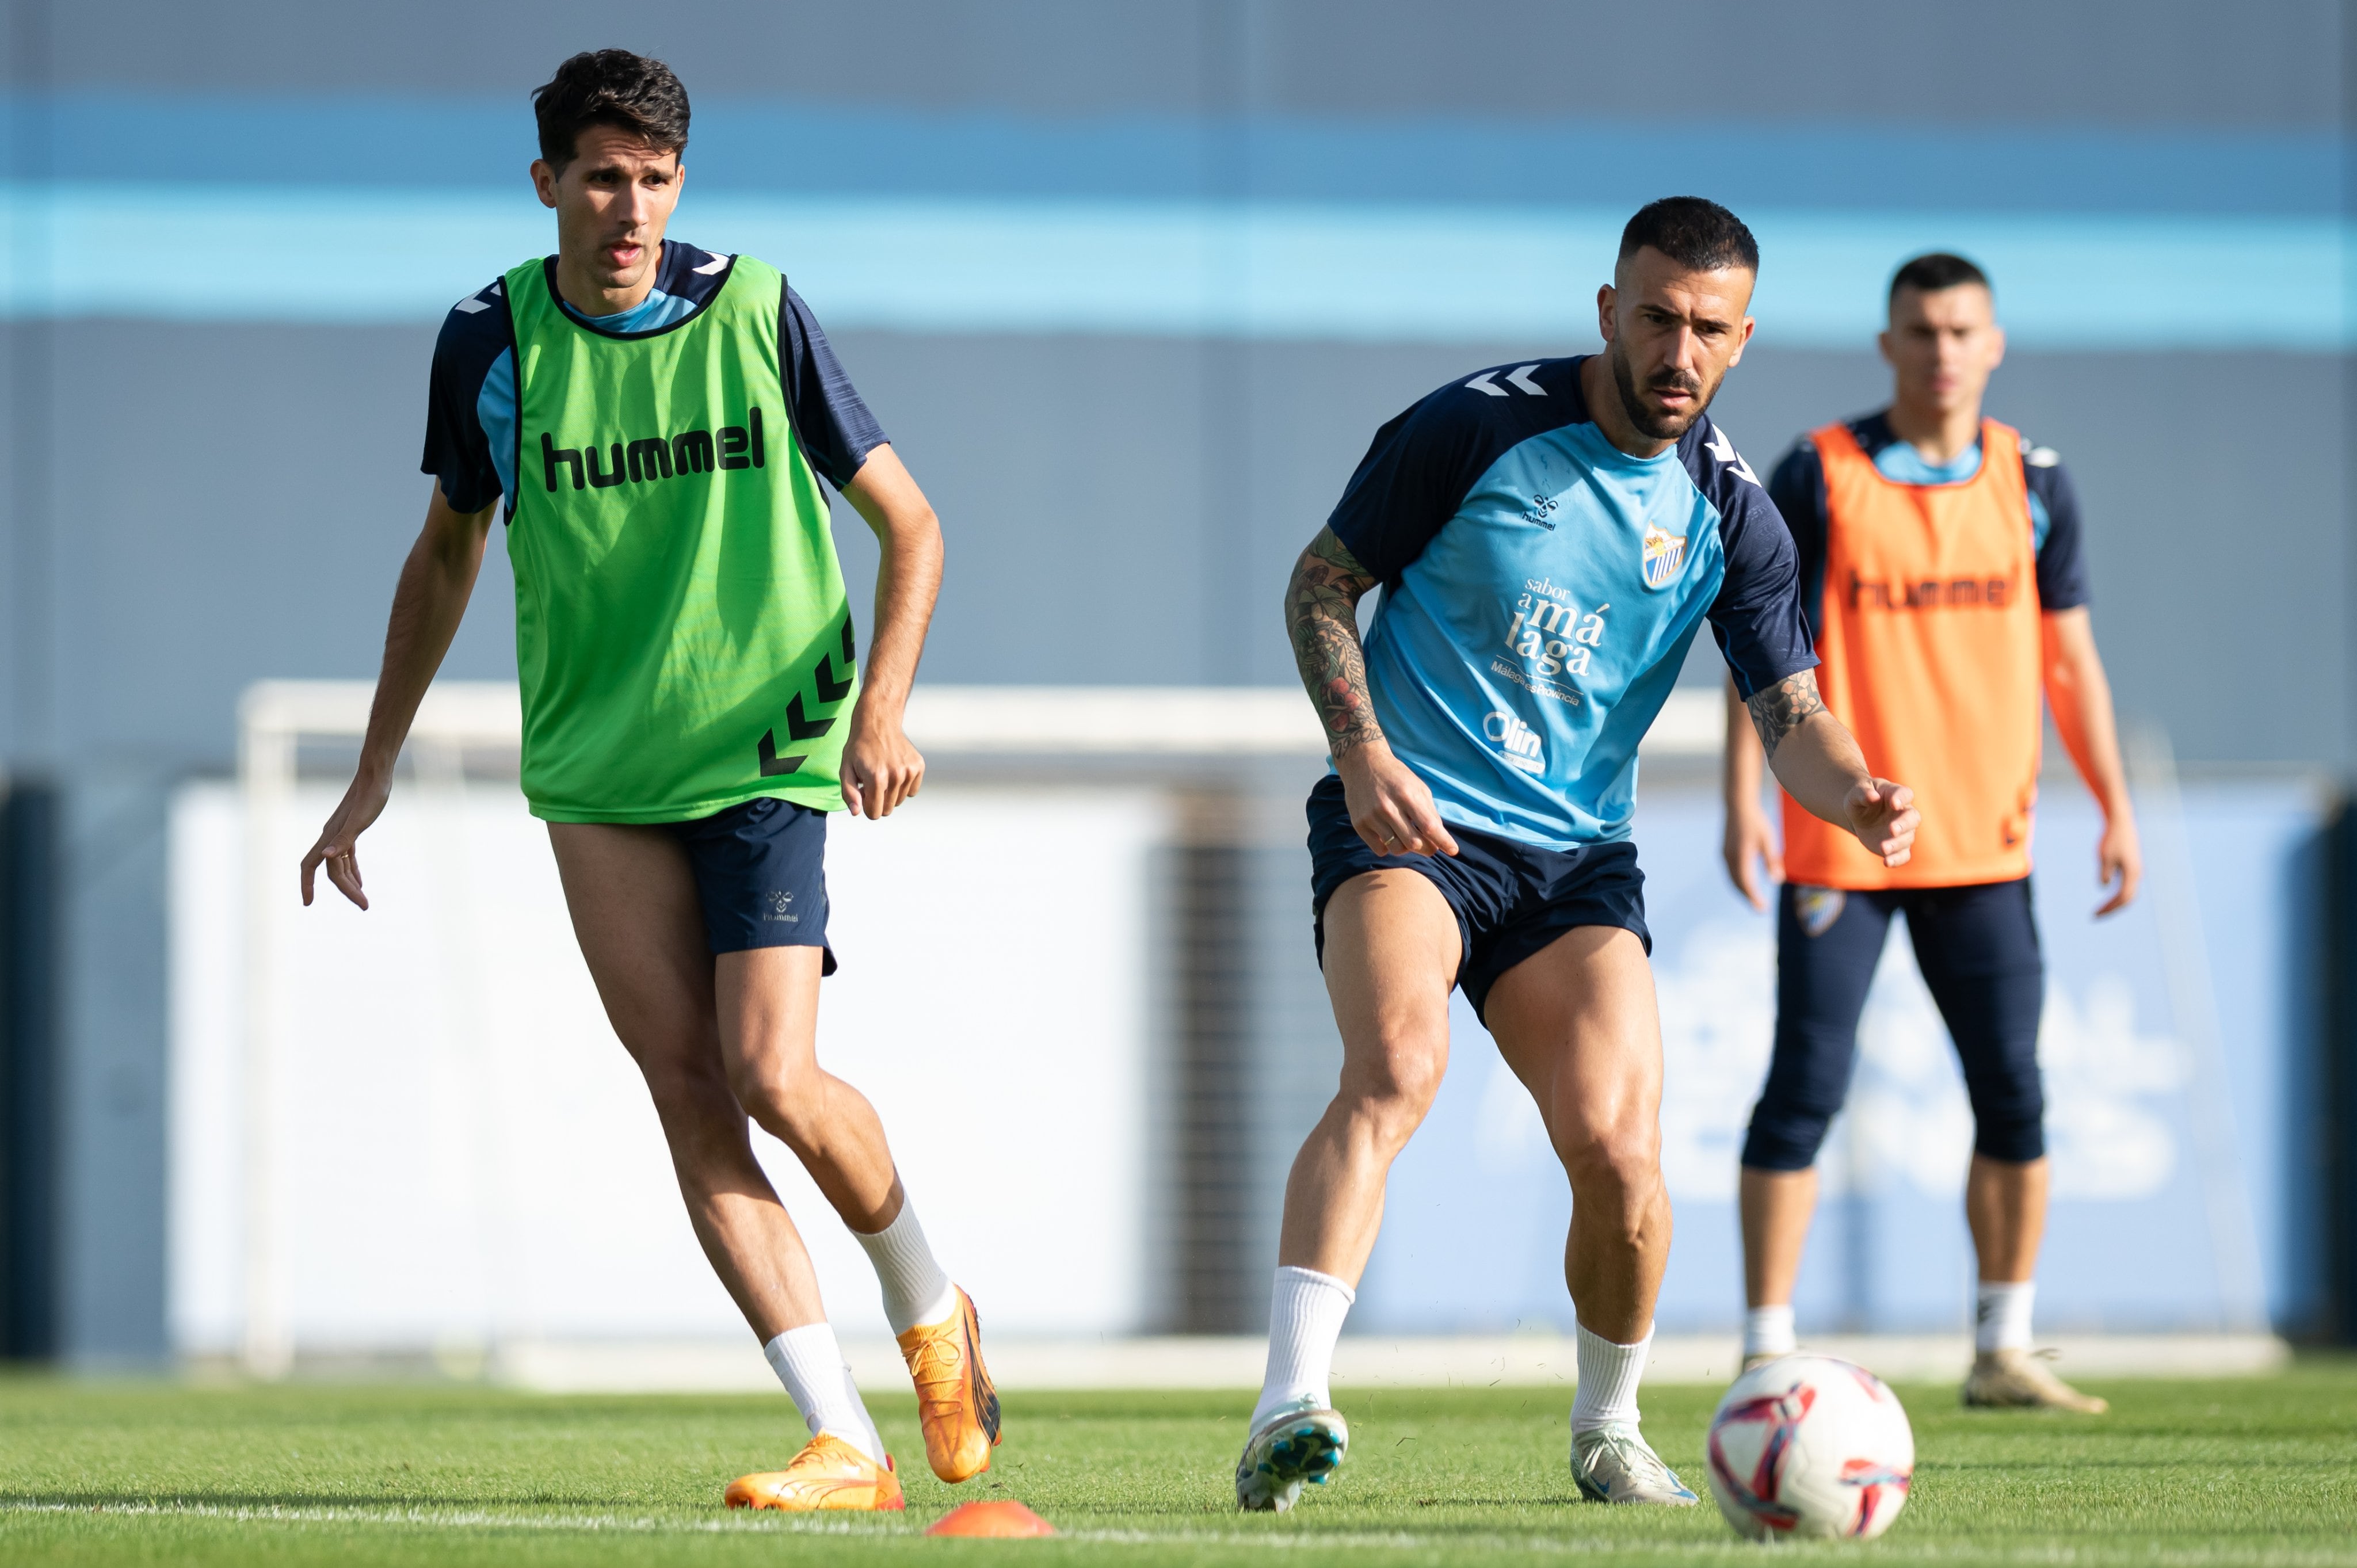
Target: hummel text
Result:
[[1976, 593], [651, 457]]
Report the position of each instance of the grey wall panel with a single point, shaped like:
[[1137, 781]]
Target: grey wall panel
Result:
[[2221, 562], [234, 504], [2177, 61], [1074, 471], [1050, 56], [29, 595], [1068, 475], [113, 1083], [2218, 532], [2129, 62]]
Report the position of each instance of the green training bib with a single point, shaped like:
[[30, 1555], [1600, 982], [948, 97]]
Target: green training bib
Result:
[[683, 635]]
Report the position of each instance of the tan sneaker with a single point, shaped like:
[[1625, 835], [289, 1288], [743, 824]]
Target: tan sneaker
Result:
[[1753, 1363], [2018, 1380]]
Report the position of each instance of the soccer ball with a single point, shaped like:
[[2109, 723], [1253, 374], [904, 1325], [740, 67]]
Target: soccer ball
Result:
[[1808, 1445]]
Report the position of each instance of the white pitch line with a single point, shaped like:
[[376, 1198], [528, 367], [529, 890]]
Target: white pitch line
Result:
[[440, 1519], [2043, 1553]]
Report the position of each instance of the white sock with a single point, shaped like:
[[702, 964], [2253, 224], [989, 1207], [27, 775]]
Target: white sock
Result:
[[2001, 1321], [1609, 1375], [1305, 1310], [1768, 1331], [915, 1289], [810, 1363]]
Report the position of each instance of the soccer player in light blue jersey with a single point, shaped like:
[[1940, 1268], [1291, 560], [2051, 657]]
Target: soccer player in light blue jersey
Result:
[[1549, 537]]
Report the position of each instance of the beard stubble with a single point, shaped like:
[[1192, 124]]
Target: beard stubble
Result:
[[1651, 425]]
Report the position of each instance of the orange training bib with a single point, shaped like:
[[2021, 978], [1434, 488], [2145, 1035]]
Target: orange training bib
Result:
[[1932, 654]]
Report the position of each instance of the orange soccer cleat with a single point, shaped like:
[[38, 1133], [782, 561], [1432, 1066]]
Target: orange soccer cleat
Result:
[[955, 1403], [827, 1474]]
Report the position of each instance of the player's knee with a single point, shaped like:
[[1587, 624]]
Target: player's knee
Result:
[[781, 1103], [1784, 1136], [2011, 1131], [1622, 1155], [701, 1119], [2008, 1114], [685, 1085], [1394, 1091]]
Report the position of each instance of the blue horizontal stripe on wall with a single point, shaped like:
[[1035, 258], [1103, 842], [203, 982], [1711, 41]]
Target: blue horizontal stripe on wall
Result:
[[854, 149], [1260, 268]]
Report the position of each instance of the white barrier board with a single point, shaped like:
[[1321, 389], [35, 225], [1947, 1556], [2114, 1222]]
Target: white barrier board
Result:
[[465, 1155]]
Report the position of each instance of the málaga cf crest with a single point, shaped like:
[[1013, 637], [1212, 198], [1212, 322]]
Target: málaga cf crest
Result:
[[1664, 553]]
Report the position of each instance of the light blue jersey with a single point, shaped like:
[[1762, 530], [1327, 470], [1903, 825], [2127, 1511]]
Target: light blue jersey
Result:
[[1541, 588]]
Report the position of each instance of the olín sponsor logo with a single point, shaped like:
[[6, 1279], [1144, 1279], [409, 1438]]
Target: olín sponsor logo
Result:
[[1517, 742], [650, 457]]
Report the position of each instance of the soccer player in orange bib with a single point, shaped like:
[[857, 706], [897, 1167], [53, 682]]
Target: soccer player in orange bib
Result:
[[1942, 576]]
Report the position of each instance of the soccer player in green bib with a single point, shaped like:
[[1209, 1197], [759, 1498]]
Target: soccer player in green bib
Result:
[[659, 418]]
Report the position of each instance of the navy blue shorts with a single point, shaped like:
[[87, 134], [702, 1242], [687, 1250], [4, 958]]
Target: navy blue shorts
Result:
[[1511, 898], [760, 874], [1977, 947]]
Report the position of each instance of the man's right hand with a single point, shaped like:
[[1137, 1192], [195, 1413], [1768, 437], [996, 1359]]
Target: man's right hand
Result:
[[427, 605], [1751, 845], [1883, 816], [1390, 806], [361, 805]]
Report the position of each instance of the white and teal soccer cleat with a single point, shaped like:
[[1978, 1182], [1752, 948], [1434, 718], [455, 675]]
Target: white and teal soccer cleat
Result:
[[1299, 1445], [1615, 1465]]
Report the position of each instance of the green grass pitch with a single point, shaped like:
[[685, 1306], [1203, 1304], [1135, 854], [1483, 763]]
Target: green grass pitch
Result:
[[2212, 1473]]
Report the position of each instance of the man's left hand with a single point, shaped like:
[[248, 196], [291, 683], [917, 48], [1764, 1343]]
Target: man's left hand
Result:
[[2119, 858], [1883, 816], [880, 768]]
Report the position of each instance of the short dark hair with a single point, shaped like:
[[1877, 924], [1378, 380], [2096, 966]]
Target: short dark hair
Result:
[[1693, 232], [609, 87], [1938, 270]]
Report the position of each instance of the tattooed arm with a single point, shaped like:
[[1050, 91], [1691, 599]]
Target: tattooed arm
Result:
[[1321, 618], [1390, 806], [1819, 765]]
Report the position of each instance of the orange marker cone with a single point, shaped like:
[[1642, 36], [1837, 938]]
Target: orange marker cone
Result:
[[1003, 1517]]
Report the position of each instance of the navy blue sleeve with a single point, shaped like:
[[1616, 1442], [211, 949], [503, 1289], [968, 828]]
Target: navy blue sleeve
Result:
[[478, 330], [1408, 486], [1798, 489], [1419, 467], [836, 429], [2062, 554], [1756, 616]]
